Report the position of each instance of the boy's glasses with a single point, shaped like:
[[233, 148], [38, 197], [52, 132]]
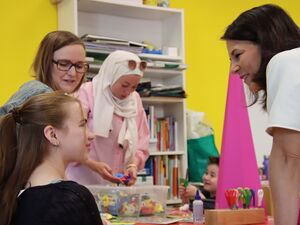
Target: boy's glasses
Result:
[[133, 64], [66, 65]]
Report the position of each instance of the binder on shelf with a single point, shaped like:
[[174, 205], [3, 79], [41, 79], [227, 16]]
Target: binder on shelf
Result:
[[152, 122]]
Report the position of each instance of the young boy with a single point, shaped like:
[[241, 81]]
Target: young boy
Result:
[[208, 191]]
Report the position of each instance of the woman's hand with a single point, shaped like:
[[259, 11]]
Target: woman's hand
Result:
[[103, 169], [131, 170]]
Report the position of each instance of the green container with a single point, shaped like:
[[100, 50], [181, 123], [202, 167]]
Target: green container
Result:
[[199, 150]]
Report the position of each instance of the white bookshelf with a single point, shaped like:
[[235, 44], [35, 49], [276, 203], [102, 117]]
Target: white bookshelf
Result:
[[159, 26]]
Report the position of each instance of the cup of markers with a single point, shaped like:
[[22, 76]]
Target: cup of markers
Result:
[[242, 196], [232, 196]]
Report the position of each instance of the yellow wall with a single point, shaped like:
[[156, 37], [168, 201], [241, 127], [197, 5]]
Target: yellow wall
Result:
[[23, 25], [206, 55]]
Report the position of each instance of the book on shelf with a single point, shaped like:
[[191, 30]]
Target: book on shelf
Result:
[[110, 40], [151, 122], [164, 171], [162, 131], [165, 128], [175, 180]]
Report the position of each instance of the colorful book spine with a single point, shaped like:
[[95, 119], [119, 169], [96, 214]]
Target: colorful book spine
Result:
[[175, 178]]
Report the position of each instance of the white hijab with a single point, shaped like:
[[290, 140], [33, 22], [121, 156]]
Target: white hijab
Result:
[[105, 104]]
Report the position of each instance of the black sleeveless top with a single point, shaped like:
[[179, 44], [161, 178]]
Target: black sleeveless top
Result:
[[62, 203]]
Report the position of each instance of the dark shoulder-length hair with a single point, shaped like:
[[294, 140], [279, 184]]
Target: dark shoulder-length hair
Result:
[[270, 27]]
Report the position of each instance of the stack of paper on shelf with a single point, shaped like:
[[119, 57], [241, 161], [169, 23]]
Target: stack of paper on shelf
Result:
[[168, 91], [110, 44], [167, 65]]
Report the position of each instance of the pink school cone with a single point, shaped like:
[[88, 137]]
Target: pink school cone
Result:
[[238, 165]]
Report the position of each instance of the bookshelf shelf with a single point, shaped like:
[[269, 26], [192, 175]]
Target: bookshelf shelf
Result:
[[162, 73], [167, 153], [161, 27], [173, 201], [150, 72], [142, 55], [162, 100], [125, 10], [160, 57]]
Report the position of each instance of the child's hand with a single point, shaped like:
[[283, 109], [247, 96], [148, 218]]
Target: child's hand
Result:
[[182, 193], [187, 193], [190, 191]]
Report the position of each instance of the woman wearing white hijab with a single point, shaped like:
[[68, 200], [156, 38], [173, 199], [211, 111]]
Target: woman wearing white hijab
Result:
[[117, 118]]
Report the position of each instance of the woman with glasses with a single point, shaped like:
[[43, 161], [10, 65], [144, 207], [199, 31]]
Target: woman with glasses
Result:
[[58, 65], [117, 118]]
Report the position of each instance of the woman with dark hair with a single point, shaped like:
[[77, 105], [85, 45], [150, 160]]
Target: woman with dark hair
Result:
[[58, 65], [38, 140], [264, 48]]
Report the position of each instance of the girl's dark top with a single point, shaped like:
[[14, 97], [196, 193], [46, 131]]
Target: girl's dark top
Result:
[[208, 202], [61, 203]]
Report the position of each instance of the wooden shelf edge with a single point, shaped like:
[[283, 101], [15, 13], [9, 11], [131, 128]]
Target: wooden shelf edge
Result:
[[166, 153], [159, 99]]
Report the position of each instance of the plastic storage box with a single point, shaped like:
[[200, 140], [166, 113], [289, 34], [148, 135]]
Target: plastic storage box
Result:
[[153, 199], [118, 201], [130, 201]]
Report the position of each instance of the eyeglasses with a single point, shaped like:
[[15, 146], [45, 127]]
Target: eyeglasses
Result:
[[133, 64], [65, 65]]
